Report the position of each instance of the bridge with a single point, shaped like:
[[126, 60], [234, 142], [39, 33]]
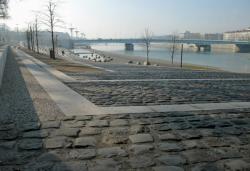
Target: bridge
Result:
[[243, 46]]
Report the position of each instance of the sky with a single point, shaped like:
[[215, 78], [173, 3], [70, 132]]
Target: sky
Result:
[[129, 18]]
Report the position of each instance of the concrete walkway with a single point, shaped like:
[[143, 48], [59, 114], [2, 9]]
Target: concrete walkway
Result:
[[71, 103]]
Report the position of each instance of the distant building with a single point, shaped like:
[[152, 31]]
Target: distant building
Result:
[[189, 35], [237, 35], [213, 36]]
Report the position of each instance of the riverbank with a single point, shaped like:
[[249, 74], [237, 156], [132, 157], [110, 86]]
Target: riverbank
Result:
[[122, 59]]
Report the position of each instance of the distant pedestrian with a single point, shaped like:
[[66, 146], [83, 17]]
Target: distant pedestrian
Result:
[[63, 52]]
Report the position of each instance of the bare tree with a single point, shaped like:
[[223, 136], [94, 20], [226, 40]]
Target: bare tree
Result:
[[32, 38], [28, 37], [36, 32], [51, 19], [4, 8], [173, 46], [147, 37]]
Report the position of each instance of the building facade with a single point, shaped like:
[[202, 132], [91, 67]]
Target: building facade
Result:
[[212, 36], [189, 35], [243, 35]]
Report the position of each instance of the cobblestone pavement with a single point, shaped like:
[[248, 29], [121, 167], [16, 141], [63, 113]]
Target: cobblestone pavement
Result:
[[150, 72], [176, 141], [43, 139], [163, 92]]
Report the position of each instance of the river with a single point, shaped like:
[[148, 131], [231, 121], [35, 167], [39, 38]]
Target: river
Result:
[[229, 61]]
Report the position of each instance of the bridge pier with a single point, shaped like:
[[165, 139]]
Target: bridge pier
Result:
[[243, 48], [203, 48], [129, 46]]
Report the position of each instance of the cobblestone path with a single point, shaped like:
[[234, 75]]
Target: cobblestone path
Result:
[[163, 92], [36, 136]]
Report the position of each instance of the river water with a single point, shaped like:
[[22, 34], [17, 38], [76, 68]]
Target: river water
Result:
[[229, 61]]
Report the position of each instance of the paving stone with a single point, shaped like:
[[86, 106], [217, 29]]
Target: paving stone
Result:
[[7, 156], [229, 130], [56, 142], [8, 144], [240, 121], [25, 156], [206, 167], [68, 132], [140, 122], [111, 139], [69, 166], [68, 118], [160, 121], [39, 166], [90, 131], [119, 122], [29, 126], [171, 160], [140, 162], [50, 124], [167, 168], [228, 152], [137, 129], [206, 132], [141, 149], [73, 124], [169, 136], [215, 142], [30, 144], [108, 164], [189, 134], [85, 142], [115, 135], [191, 144], [51, 156], [98, 123], [179, 126], [141, 138], [111, 152], [6, 127], [223, 123], [36, 134], [201, 155], [163, 127], [82, 154], [8, 135], [203, 124], [170, 147], [83, 118], [10, 168], [237, 165]]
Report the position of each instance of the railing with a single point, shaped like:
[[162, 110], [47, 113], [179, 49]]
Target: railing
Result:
[[188, 41]]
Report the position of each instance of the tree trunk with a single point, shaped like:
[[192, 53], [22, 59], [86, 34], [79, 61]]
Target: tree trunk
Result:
[[53, 45], [32, 39], [37, 43], [181, 54], [28, 38]]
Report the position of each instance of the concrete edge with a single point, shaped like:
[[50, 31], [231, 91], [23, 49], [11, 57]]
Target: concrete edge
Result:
[[3, 58], [60, 75], [70, 102]]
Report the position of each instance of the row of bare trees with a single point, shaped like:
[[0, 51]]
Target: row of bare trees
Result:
[[4, 8], [51, 20], [147, 37], [32, 36]]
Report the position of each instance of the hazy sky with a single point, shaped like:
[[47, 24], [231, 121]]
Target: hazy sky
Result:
[[128, 18]]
